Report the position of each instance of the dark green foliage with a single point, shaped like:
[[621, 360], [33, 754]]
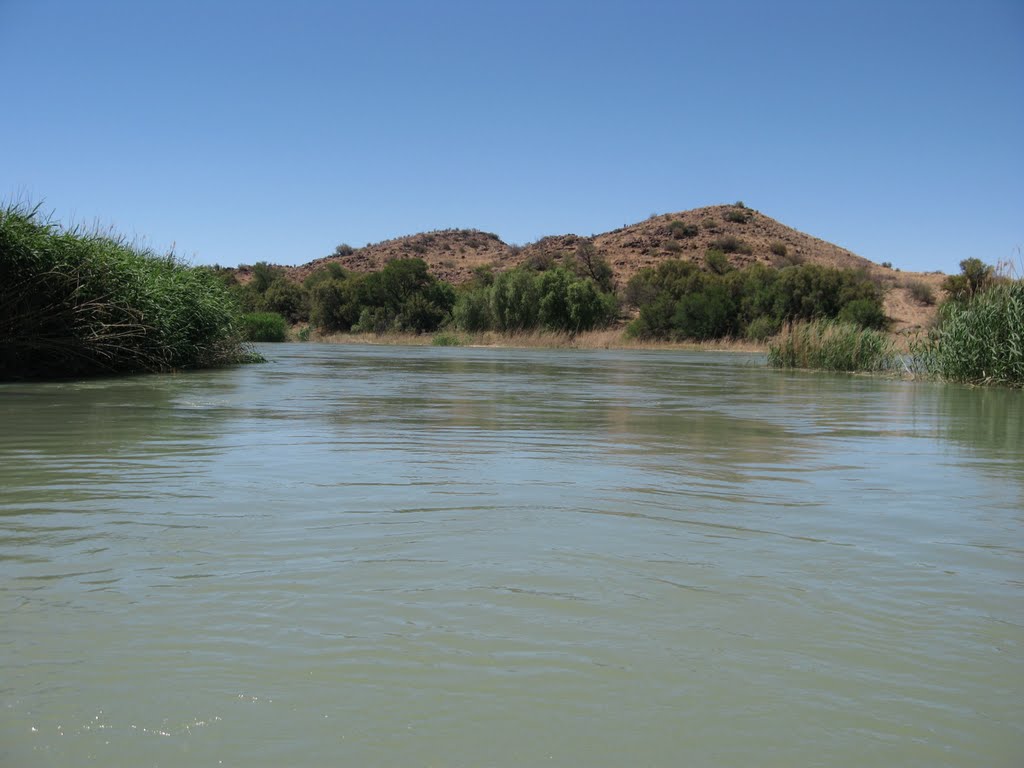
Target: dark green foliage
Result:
[[263, 275], [402, 296], [472, 310], [76, 304], [288, 299], [264, 326], [778, 248], [344, 250], [677, 300], [864, 313], [335, 305], [708, 314], [379, 320], [812, 291], [514, 301], [483, 276], [332, 270], [737, 216], [717, 262], [520, 300]]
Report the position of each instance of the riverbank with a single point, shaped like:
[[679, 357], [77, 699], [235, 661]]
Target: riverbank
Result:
[[598, 339]]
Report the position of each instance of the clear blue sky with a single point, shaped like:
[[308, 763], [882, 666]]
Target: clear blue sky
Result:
[[249, 131]]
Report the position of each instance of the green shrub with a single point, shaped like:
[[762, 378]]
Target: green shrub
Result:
[[778, 248], [717, 262], [264, 326], [514, 301], [288, 299], [763, 327], [709, 314], [866, 313], [76, 304], [730, 244], [974, 276], [832, 346], [921, 292], [680, 230], [472, 310], [378, 320], [737, 216], [335, 305], [332, 270]]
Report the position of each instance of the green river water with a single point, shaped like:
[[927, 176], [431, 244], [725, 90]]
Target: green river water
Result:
[[391, 556]]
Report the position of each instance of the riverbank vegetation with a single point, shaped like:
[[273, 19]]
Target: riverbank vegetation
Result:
[[978, 338], [74, 303], [678, 300]]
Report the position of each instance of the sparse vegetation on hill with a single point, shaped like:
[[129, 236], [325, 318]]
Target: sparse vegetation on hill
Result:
[[78, 304], [744, 235]]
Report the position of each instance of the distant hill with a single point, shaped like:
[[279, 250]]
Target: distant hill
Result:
[[747, 236]]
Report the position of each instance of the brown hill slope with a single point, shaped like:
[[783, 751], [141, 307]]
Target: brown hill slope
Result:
[[747, 236]]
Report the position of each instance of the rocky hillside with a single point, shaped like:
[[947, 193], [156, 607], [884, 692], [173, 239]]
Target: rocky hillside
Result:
[[745, 235]]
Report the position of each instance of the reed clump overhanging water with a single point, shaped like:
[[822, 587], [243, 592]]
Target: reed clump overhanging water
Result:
[[76, 303]]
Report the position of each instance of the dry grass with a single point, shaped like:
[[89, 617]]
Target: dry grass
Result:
[[601, 339]]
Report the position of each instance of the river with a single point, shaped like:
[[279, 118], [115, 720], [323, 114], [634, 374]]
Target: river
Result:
[[419, 556]]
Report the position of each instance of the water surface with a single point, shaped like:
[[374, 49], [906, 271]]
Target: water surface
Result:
[[472, 557]]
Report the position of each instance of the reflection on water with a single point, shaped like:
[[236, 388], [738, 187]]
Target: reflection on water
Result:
[[498, 557]]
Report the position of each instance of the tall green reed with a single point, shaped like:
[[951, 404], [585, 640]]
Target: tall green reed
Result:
[[831, 345], [76, 303]]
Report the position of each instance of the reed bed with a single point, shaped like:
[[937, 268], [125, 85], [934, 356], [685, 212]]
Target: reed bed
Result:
[[980, 341], [75, 303], [829, 345]]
